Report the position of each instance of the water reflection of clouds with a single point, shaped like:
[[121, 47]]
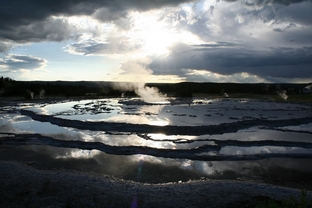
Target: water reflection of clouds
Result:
[[131, 140], [234, 150], [304, 127], [188, 142], [25, 124], [141, 115], [135, 119], [122, 166], [251, 169], [200, 112], [255, 134], [77, 153], [6, 125], [59, 107], [150, 109]]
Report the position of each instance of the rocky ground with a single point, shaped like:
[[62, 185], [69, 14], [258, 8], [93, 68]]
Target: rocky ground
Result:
[[25, 186]]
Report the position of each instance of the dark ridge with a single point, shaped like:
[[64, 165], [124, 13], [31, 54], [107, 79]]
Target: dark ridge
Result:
[[170, 130], [223, 143], [203, 153]]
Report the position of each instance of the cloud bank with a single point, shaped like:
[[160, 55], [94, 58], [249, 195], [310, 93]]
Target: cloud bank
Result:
[[14, 62]]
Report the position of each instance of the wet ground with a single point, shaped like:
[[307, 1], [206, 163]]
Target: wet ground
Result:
[[177, 140]]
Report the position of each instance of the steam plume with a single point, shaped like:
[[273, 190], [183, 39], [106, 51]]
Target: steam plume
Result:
[[148, 94], [137, 73], [282, 94], [307, 89], [31, 94], [41, 94]]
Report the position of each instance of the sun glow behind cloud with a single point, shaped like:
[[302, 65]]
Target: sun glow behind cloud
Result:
[[148, 36], [155, 35]]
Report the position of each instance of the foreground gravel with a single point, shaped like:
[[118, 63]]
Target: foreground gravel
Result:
[[25, 186]]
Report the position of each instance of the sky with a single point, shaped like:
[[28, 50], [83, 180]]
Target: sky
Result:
[[242, 41]]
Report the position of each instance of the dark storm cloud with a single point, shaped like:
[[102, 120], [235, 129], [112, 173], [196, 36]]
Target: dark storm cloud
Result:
[[23, 12], [251, 58], [295, 13], [298, 13], [17, 62], [275, 62], [50, 29], [264, 2], [30, 20], [118, 9]]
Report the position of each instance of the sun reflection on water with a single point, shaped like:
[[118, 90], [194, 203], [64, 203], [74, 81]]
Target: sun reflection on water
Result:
[[78, 153], [159, 123]]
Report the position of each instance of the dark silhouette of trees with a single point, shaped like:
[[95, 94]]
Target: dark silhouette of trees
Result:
[[184, 89], [10, 87]]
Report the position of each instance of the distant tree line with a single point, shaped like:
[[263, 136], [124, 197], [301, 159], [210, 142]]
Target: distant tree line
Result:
[[29, 89], [187, 89]]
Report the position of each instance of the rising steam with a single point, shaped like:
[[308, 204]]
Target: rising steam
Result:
[[31, 94], [147, 94], [137, 74], [282, 94], [41, 94]]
